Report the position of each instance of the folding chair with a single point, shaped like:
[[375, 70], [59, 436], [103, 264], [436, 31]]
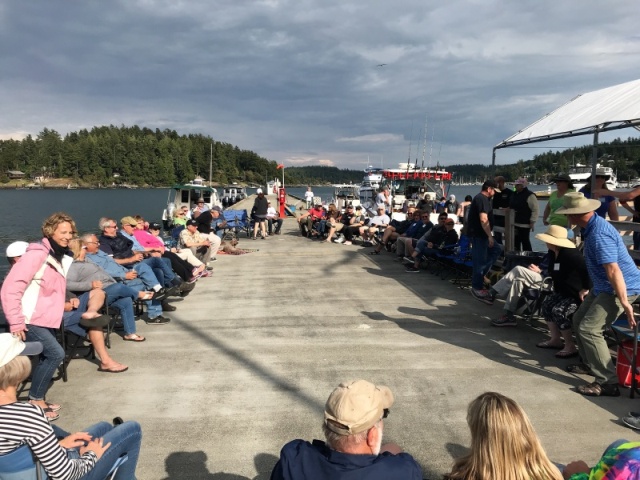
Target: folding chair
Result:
[[22, 465], [71, 343], [532, 298], [237, 221], [622, 335]]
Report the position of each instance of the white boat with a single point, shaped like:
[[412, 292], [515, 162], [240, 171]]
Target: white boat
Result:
[[187, 195], [346, 194], [581, 173], [233, 194], [409, 182], [371, 183]]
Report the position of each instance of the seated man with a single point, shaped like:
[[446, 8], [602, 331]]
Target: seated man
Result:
[[146, 280], [205, 225], [396, 228], [307, 219], [121, 249], [199, 268], [405, 244], [273, 217], [359, 220], [377, 223], [511, 286], [437, 241], [353, 425], [198, 243], [340, 224]]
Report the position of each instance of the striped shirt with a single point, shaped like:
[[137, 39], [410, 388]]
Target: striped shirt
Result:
[[24, 423], [602, 245]]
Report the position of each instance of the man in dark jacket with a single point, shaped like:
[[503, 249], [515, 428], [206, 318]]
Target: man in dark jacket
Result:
[[525, 204], [439, 239], [501, 201]]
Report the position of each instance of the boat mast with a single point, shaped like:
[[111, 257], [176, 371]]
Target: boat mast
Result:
[[210, 163], [424, 147]]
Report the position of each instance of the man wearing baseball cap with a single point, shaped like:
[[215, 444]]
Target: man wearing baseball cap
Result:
[[616, 284], [353, 425]]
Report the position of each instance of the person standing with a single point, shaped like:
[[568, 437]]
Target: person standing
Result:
[[308, 197], [550, 217], [485, 251], [260, 208], [616, 284], [525, 204], [33, 300], [501, 201]]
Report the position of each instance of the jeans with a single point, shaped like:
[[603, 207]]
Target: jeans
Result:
[[146, 275], [483, 259], [271, 221], [121, 298], [589, 321], [162, 269], [124, 438], [51, 357], [154, 307]]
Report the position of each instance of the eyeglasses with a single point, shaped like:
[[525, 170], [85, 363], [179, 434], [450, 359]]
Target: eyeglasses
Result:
[[94, 243], [424, 216], [385, 413], [110, 226], [442, 219]]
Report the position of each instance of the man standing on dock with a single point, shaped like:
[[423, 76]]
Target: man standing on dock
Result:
[[485, 251]]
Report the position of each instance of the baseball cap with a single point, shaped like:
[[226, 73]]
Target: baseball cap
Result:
[[191, 222], [356, 406], [11, 347], [492, 184], [258, 191], [16, 249], [128, 221], [154, 226], [521, 181]]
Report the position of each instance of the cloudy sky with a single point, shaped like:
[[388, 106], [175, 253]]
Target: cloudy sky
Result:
[[298, 81]]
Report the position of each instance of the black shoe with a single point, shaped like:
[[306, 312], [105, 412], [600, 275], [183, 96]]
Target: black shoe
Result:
[[173, 291], [167, 307], [187, 287], [159, 320], [160, 294]]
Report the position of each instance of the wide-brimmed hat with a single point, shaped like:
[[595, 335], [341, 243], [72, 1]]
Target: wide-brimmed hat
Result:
[[355, 407], [563, 177], [575, 203], [556, 235]]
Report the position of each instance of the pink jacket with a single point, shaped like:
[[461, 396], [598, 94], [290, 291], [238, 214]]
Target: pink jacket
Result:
[[34, 290]]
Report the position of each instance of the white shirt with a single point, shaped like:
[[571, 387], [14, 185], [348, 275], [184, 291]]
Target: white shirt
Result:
[[308, 195], [271, 212], [380, 220]]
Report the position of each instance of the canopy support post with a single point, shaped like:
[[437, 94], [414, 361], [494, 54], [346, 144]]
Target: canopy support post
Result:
[[594, 160]]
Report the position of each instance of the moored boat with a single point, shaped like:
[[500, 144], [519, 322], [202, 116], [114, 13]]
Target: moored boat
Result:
[[187, 195]]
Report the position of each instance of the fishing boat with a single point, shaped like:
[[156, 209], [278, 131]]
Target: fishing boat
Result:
[[371, 183], [580, 173], [409, 182], [346, 194], [187, 195]]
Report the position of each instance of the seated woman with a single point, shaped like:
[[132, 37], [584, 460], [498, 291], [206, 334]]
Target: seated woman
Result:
[[620, 461], [571, 283], [504, 444], [87, 455]]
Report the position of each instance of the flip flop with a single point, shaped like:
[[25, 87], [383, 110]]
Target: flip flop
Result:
[[565, 354], [548, 345], [53, 407], [134, 338], [109, 370], [51, 415]]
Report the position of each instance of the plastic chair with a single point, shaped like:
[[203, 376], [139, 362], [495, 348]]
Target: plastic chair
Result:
[[621, 334]]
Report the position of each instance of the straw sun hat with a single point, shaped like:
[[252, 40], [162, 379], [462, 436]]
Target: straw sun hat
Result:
[[556, 235], [575, 203]]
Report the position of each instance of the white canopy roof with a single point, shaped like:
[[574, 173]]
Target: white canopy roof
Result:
[[611, 108]]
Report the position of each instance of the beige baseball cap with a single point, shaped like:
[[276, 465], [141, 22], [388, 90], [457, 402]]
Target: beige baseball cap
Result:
[[356, 406]]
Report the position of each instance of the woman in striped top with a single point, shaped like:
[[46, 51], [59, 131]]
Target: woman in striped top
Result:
[[85, 455]]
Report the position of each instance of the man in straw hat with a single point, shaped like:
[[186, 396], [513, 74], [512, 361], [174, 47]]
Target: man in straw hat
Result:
[[616, 284], [353, 425]]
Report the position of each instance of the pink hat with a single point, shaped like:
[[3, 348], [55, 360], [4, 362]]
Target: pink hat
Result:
[[521, 181]]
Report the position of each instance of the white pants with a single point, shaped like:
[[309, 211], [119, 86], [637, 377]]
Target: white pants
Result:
[[513, 283]]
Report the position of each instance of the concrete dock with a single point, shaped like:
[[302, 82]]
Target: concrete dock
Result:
[[251, 355]]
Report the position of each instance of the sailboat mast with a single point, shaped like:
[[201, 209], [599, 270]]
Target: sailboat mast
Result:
[[424, 147], [211, 164]]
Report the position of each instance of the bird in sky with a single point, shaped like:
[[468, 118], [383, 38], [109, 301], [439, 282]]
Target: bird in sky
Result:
[[381, 64]]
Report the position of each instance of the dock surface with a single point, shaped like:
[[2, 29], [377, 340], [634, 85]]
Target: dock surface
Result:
[[251, 355]]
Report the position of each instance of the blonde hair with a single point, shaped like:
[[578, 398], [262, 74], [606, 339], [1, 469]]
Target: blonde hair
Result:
[[504, 444], [75, 245], [50, 225], [15, 372]]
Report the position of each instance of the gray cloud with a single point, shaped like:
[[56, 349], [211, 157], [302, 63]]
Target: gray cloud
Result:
[[298, 81]]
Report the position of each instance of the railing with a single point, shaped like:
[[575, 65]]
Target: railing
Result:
[[507, 231]]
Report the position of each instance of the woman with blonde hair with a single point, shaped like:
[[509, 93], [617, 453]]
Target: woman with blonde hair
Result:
[[504, 444]]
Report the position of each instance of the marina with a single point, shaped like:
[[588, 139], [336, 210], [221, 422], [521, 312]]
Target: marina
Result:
[[250, 356]]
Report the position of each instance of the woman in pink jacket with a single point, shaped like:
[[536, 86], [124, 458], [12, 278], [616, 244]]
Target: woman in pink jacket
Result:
[[33, 296]]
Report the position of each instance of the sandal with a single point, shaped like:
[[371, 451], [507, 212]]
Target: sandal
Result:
[[51, 415], [596, 390], [567, 354], [579, 368], [134, 337], [53, 407], [549, 345]]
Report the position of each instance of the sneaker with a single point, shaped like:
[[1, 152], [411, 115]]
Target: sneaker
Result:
[[159, 320], [506, 320], [347, 242], [339, 240], [167, 307], [482, 295], [367, 243], [412, 269], [209, 268], [409, 260], [632, 421]]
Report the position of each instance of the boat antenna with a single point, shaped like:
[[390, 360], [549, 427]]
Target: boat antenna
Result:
[[424, 148], [410, 139], [210, 163], [431, 148]]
